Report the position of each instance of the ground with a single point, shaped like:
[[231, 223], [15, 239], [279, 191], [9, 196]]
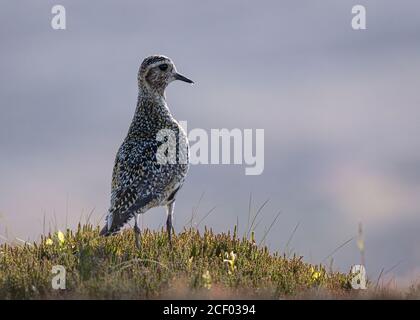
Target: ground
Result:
[[199, 265]]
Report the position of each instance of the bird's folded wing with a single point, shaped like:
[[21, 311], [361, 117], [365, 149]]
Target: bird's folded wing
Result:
[[132, 189]]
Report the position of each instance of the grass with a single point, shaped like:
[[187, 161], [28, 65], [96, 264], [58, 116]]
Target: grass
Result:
[[203, 265]]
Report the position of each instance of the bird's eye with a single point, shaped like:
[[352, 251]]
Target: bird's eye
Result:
[[163, 67]]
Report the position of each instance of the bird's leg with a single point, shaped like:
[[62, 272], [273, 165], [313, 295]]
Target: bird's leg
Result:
[[137, 232], [170, 211]]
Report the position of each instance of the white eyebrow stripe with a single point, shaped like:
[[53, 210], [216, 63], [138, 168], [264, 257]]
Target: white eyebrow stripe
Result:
[[157, 64]]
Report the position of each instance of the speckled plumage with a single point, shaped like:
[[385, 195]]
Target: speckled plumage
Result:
[[139, 181]]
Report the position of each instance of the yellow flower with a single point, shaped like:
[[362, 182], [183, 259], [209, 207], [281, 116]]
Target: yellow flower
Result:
[[230, 259], [360, 240], [207, 280], [189, 262], [60, 237], [361, 244], [316, 275], [253, 238], [49, 242]]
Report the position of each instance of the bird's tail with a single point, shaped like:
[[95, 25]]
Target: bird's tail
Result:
[[104, 232], [114, 222]]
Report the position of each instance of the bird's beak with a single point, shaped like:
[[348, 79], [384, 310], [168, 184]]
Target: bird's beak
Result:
[[178, 76]]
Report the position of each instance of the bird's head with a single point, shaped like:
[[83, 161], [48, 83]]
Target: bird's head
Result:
[[156, 72]]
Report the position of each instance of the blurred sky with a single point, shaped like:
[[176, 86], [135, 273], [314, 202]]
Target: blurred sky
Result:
[[340, 109]]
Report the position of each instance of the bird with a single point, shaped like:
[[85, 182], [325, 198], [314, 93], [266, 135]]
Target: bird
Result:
[[152, 162]]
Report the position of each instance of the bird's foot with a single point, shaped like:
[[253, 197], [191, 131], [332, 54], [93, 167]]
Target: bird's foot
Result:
[[137, 236]]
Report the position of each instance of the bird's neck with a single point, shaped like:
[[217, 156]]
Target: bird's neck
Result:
[[152, 114], [146, 91]]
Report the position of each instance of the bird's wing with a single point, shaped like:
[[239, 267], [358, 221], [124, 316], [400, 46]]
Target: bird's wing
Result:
[[133, 187]]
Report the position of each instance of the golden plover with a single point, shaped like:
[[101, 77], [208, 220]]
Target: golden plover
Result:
[[139, 180]]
